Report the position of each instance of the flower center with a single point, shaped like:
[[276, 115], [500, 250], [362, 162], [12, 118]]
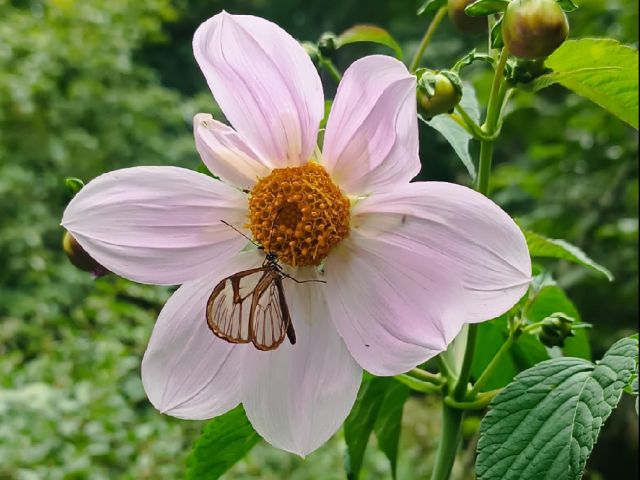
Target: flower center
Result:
[[298, 213]]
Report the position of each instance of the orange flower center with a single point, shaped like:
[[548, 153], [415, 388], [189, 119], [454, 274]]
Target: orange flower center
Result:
[[299, 214]]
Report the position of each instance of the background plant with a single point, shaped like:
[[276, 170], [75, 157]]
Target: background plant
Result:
[[87, 87]]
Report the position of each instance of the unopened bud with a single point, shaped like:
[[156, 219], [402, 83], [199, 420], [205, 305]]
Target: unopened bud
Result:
[[438, 93], [463, 22], [534, 28], [327, 45], [555, 329], [80, 258]]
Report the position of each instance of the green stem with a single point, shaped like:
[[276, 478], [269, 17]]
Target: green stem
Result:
[[331, 68], [443, 367], [418, 385], [425, 376], [449, 440], [427, 38], [467, 362], [506, 346], [480, 403]]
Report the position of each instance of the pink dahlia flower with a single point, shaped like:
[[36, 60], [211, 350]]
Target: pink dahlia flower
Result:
[[405, 264]]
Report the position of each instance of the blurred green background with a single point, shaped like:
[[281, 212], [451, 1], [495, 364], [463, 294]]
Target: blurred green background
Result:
[[88, 86]]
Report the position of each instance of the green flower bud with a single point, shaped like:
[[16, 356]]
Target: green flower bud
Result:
[[534, 28], [463, 22], [80, 258], [438, 93], [555, 329], [327, 45]]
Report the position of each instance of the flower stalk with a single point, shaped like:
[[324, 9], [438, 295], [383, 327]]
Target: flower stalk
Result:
[[433, 26]]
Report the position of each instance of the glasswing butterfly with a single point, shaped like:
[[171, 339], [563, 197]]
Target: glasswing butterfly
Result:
[[250, 306]]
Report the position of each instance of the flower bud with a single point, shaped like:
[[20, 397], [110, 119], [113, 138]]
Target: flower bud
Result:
[[438, 93], [327, 45], [555, 329], [80, 258], [463, 22], [534, 28]]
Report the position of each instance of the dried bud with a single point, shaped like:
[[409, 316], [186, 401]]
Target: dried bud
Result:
[[534, 28], [80, 258], [438, 93], [555, 329], [463, 22]]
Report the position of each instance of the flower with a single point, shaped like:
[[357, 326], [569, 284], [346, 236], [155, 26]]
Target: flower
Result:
[[405, 264]]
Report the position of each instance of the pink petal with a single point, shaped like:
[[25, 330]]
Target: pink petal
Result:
[[297, 396], [225, 154], [459, 228], [371, 140], [159, 225], [187, 371], [393, 308], [265, 84]]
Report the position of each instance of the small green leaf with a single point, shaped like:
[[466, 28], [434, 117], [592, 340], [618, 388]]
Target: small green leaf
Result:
[[567, 5], [634, 389], [547, 421], [486, 7], [430, 6], [471, 57], [369, 33], [525, 353], [389, 422], [202, 168], [549, 300], [457, 136], [73, 184], [496, 35], [224, 441], [540, 246], [602, 70]]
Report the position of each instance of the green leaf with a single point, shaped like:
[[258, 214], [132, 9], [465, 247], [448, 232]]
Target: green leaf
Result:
[[378, 406], [602, 70], [545, 423], [369, 33], [549, 300], [540, 246], [567, 5], [634, 389], [496, 35], [431, 6], [224, 441], [471, 57], [457, 136], [486, 7], [73, 184], [525, 353]]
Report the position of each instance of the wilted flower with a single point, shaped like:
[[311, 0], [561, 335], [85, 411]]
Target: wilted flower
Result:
[[405, 264]]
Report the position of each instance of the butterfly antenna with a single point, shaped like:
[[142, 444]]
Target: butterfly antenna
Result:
[[274, 224], [231, 226]]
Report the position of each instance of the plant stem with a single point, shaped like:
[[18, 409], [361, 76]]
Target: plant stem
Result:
[[449, 440], [480, 403], [417, 385], [425, 376], [465, 371], [443, 367], [427, 38], [506, 346], [331, 68]]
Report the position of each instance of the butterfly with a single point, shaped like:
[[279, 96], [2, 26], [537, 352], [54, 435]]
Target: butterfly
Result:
[[251, 306]]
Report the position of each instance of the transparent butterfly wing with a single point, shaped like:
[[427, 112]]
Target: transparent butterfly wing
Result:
[[229, 308], [270, 319]]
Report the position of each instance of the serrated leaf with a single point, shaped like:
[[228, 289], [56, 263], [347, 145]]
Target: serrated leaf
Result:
[[496, 35], [389, 422], [369, 33], [634, 390], [551, 299], [486, 7], [602, 70], [525, 353], [567, 5], [431, 6], [457, 136], [545, 423], [224, 441], [540, 246]]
